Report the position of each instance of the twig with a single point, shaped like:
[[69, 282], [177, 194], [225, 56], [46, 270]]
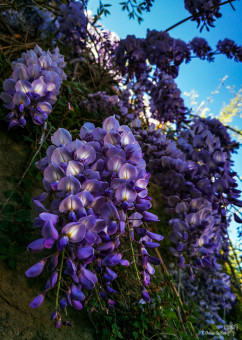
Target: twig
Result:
[[6, 24], [99, 298], [132, 249], [75, 70], [59, 279], [41, 142], [234, 130], [11, 48]]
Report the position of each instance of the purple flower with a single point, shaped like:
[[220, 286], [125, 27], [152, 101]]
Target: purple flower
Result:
[[33, 86], [75, 231], [72, 25], [38, 300], [36, 245], [93, 187], [204, 11], [36, 269], [230, 49]]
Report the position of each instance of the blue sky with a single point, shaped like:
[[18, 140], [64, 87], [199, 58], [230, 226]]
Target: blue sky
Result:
[[197, 75]]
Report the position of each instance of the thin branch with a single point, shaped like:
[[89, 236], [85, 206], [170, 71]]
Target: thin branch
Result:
[[132, 249], [4, 22], [234, 130], [59, 280], [99, 300]]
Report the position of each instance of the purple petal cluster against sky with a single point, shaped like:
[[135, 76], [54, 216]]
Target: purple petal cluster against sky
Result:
[[198, 75]]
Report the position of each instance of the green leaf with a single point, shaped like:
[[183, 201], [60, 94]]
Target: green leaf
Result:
[[28, 139], [140, 19], [106, 12], [120, 335], [135, 335]]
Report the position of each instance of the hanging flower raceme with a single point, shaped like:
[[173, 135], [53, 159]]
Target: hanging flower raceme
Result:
[[190, 192], [211, 291], [201, 49], [40, 21], [205, 11], [99, 201], [102, 44], [101, 104], [73, 25], [230, 49], [158, 48], [166, 103], [33, 86], [208, 143], [165, 52]]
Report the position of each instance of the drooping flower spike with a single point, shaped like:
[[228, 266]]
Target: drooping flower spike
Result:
[[197, 185], [99, 202], [33, 86]]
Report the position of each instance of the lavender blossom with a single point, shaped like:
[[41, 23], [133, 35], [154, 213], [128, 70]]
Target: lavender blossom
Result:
[[230, 49], [197, 185], [202, 50], [33, 86], [40, 21], [99, 202], [205, 11], [73, 25], [211, 291]]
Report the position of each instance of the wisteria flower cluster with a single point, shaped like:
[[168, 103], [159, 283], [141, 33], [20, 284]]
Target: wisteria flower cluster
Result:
[[230, 49], [33, 86], [210, 146], [37, 21], [161, 50], [205, 11], [207, 144], [133, 102], [166, 103], [102, 44], [197, 185], [155, 78], [100, 103], [97, 186], [211, 291], [154, 62], [201, 49], [192, 220], [73, 25]]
